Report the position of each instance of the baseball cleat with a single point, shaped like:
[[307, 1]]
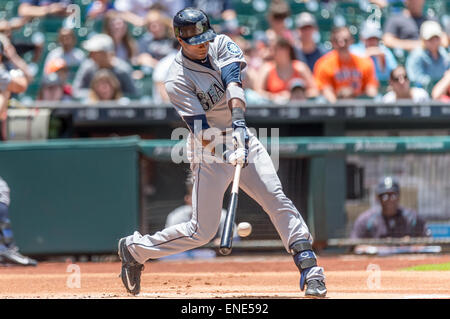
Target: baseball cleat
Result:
[[316, 288], [131, 269], [12, 255]]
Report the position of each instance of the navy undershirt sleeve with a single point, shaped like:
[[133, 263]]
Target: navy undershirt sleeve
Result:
[[231, 73], [190, 121]]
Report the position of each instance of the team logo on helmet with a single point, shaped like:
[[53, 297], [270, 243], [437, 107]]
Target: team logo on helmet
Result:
[[233, 48], [199, 27]]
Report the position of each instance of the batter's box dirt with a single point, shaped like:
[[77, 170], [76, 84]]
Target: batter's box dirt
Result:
[[230, 277]]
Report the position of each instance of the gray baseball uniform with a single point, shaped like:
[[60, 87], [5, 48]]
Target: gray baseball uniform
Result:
[[197, 92], [4, 192]]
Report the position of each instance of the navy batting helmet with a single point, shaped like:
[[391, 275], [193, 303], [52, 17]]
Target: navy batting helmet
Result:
[[192, 26], [387, 185]]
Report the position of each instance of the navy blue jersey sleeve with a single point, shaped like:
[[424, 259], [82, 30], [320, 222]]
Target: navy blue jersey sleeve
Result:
[[231, 73]]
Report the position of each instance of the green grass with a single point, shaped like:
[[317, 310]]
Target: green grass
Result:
[[432, 267]]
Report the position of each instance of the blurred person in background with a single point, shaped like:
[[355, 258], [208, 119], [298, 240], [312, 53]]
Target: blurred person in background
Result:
[[306, 48], [59, 66], [389, 219], [297, 88], [67, 49], [401, 88], [9, 252], [116, 27], [340, 74], [159, 94], [97, 9], [104, 87], [279, 12], [43, 8], [273, 80], [7, 27], [402, 30], [426, 65], [12, 60], [371, 47], [256, 54], [447, 32], [157, 42], [381, 3], [101, 56], [441, 91], [11, 81], [52, 89], [135, 11], [218, 10]]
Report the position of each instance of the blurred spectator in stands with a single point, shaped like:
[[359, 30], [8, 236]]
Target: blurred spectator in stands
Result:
[[98, 8], [340, 74], [67, 49], [22, 46], [447, 31], [16, 23], [104, 87], [11, 59], [274, 78], [135, 11], [218, 11], [256, 54], [59, 66], [159, 94], [389, 219], [307, 49], [441, 91], [101, 55], [426, 65], [297, 88], [279, 12], [381, 3], [125, 45], [402, 90], [157, 42], [52, 89], [371, 47], [43, 8], [402, 30], [11, 81]]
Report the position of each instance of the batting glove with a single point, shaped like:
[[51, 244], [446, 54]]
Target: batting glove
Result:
[[240, 142], [239, 156]]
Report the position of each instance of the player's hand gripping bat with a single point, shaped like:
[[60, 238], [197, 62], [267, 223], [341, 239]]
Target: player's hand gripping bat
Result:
[[227, 234]]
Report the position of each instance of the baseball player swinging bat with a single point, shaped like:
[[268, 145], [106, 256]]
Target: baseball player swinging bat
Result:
[[204, 86], [226, 241]]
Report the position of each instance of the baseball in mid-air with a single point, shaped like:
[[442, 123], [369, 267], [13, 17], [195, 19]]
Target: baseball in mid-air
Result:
[[244, 229]]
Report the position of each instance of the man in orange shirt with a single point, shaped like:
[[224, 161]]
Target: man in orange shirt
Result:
[[342, 75]]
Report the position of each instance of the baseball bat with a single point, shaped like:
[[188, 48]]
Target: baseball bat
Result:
[[226, 241]]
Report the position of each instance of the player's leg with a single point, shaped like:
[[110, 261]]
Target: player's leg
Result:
[[260, 181], [210, 183], [9, 252]]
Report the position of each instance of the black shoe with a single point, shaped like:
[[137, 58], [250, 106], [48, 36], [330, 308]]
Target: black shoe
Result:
[[12, 255], [131, 269], [316, 288]]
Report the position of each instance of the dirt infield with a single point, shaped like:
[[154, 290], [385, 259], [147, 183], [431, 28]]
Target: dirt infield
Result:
[[347, 276]]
